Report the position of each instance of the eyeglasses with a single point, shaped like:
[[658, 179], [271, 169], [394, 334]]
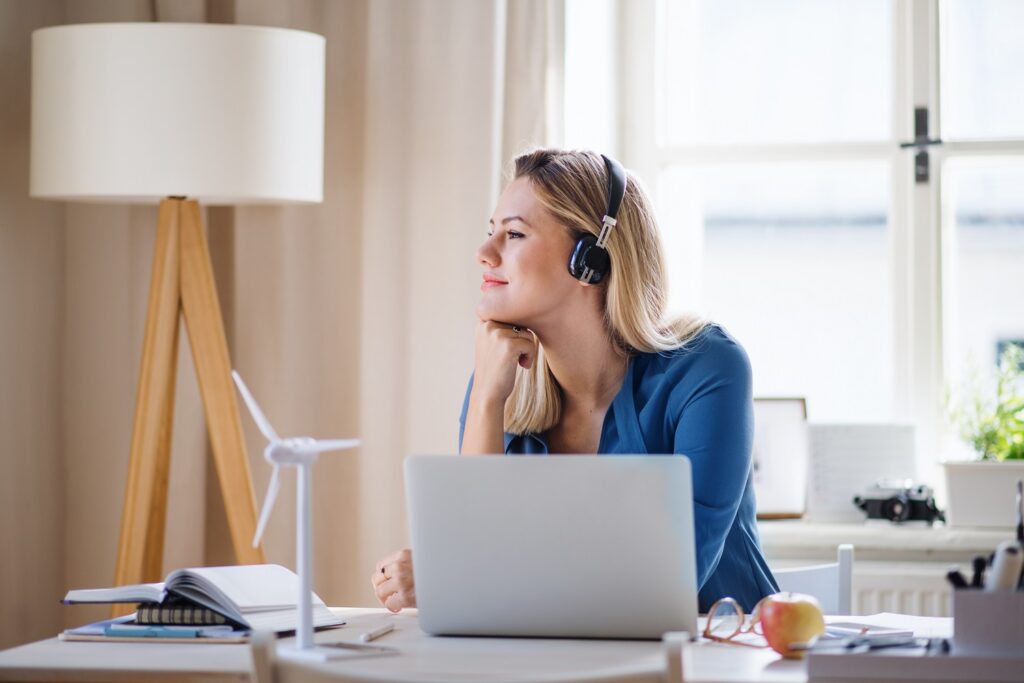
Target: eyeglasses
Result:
[[726, 622]]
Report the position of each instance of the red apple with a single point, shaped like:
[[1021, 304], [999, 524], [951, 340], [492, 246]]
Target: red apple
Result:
[[791, 618]]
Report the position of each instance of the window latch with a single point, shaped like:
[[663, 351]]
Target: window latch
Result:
[[921, 143]]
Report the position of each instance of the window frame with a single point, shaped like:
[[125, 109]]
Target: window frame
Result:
[[919, 225]]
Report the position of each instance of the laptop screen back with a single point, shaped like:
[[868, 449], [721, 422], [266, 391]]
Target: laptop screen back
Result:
[[580, 546]]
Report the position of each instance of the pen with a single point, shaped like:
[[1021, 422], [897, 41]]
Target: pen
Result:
[[879, 643], [955, 578], [979, 564], [859, 643], [1020, 527], [1020, 511], [938, 646], [378, 632]]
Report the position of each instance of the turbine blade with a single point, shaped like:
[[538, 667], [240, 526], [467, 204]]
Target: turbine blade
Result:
[[324, 445], [268, 506], [257, 415]]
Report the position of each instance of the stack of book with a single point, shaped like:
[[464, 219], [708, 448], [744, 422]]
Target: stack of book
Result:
[[212, 603]]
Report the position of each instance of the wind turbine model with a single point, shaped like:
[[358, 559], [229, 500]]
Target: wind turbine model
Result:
[[300, 452]]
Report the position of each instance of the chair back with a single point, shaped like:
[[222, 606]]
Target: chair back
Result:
[[831, 584]]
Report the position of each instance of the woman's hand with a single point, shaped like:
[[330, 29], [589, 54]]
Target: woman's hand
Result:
[[500, 349], [393, 581]]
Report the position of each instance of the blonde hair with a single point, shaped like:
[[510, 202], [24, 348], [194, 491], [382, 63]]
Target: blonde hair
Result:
[[572, 186]]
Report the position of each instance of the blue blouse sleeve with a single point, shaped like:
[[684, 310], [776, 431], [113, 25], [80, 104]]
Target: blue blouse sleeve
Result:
[[715, 430], [462, 415]]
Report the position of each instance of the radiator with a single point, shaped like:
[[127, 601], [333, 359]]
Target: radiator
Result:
[[908, 588], [895, 569]]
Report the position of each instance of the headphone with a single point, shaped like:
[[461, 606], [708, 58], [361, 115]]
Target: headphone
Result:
[[589, 261]]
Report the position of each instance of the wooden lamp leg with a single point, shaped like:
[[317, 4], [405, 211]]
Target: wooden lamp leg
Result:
[[182, 282], [213, 368], [140, 549]]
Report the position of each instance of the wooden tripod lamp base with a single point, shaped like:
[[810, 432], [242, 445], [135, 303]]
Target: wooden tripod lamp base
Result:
[[182, 283]]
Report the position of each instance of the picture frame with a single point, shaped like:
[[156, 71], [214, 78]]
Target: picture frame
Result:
[[780, 457]]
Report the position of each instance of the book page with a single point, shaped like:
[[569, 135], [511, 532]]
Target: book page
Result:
[[287, 620], [143, 592], [252, 588]]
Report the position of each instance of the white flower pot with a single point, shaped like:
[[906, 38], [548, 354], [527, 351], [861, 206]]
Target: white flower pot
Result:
[[982, 494]]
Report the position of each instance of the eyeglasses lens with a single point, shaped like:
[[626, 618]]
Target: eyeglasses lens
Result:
[[724, 621]]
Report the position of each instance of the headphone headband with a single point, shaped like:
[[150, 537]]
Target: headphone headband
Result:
[[616, 186]]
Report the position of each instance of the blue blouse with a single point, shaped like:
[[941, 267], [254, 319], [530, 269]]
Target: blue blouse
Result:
[[694, 401]]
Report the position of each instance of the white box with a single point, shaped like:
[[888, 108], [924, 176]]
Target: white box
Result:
[[988, 623]]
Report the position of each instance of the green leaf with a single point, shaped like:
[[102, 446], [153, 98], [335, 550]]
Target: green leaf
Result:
[[993, 425]]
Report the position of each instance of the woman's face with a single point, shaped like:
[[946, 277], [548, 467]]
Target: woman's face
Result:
[[524, 259]]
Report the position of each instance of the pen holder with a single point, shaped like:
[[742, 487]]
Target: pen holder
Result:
[[988, 623]]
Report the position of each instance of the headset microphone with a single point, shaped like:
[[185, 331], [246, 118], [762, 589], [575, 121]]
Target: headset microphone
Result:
[[589, 261]]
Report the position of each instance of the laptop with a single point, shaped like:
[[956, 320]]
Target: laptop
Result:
[[564, 546]]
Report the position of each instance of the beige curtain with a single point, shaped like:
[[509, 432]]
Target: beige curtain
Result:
[[349, 318], [438, 114], [31, 294]]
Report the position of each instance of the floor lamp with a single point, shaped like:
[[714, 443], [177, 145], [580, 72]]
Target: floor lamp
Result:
[[177, 114]]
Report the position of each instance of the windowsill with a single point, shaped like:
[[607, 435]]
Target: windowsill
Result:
[[876, 540]]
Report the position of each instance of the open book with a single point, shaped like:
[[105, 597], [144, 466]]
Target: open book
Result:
[[257, 596]]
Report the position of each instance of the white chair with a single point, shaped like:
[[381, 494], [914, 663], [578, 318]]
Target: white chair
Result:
[[831, 584]]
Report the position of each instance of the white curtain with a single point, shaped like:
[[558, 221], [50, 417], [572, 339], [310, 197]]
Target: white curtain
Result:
[[439, 113], [355, 317]]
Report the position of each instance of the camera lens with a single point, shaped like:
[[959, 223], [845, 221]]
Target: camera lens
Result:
[[896, 509]]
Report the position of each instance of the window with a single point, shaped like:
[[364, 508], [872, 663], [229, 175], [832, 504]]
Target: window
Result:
[[838, 183], [770, 250], [984, 306], [785, 71], [982, 188], [982, 80]]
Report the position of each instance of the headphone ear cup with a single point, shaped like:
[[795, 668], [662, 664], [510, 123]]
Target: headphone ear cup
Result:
[[586, 254], [576, 259]]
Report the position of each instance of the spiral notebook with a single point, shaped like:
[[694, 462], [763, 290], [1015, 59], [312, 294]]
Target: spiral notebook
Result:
[[179, 612]]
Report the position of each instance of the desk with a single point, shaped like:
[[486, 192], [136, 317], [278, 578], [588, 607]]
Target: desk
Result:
[[422, 658]]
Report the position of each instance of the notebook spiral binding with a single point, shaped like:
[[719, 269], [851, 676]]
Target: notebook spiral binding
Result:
[[180, 614]]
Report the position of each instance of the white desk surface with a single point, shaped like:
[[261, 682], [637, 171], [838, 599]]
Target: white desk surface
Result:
[[421, 658]]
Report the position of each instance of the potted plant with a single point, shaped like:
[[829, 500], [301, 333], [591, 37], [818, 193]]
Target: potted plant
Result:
[[982, 492]]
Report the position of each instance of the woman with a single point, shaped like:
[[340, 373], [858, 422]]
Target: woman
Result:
[[566, 366]]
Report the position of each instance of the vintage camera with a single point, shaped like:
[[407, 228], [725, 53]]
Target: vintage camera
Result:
[[899, 501]]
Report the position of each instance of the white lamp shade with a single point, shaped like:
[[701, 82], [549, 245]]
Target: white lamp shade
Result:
[[133, 113]]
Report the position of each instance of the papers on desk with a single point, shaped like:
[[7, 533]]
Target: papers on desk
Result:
[[921, 627], [125, 630]]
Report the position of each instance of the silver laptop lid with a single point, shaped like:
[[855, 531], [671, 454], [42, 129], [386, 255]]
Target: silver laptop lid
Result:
[[580, 546]]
